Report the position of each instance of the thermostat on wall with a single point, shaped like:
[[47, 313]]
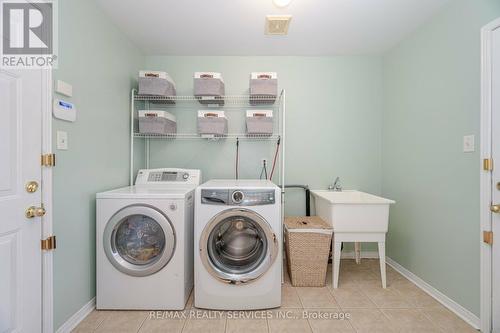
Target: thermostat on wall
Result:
[[64, 110]]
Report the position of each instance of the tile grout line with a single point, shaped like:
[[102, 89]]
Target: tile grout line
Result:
[[388, 319], [342, 309], [400, 293], [189, 310], [298, 295], [411, 306], [432, 321], [225, 323], [142, 323], [301, 308], [309, 323], [419, 310], [98, 325], [184, 325], [377, 308]]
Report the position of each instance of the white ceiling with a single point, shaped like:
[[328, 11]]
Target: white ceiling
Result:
[[236, 27]]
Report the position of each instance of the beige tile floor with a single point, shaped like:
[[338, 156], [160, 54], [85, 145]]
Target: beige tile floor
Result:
[[402, 307]]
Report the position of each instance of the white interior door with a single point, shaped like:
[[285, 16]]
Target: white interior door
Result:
[[496, 177], [20, 150]]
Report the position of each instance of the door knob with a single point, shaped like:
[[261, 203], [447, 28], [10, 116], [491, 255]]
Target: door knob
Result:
[[31, 186], [495, 208], [33, 211]]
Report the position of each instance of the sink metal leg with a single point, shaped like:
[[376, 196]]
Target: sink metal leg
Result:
[[381, 254], [336, 263], [357, 250]]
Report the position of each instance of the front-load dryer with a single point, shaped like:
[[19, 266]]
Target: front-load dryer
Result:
[[144, 242], [237, 238]]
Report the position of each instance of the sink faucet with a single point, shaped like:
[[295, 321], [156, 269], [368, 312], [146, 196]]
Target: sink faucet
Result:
[[335, 186]]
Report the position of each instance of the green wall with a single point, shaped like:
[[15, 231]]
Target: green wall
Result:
[[431, 100], [333, 121], [101, 65]]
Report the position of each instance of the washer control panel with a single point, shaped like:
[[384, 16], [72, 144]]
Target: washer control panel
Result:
[[237, 197], [168, 176]]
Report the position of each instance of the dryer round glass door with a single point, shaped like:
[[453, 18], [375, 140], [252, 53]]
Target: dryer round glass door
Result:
[[238, 246], [139, 240]]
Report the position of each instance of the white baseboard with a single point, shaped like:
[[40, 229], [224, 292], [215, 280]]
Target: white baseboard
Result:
[[75, 319], [364, 254], [453, 306]]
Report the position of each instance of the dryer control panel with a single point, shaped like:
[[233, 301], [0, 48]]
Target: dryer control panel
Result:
[[168, 176], [238, 197]]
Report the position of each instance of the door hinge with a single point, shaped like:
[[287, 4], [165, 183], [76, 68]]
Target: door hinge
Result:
[[488, 164], [488, 237], [48, 160], [49, 243]]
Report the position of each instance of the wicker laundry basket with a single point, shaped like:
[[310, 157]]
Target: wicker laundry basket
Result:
[[308, 242]]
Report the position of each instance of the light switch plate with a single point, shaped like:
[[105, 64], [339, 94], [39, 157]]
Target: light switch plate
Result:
[[62, 140], [469, 145]]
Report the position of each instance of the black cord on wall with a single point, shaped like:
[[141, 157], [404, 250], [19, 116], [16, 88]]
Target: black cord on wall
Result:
[[237, 156], [308, 195]]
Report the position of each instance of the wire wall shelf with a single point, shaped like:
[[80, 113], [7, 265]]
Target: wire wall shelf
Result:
[[187, 122], [194, 136], [209, 101]]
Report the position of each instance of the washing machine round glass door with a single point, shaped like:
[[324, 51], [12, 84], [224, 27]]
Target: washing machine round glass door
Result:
[[139, 240], [238, 246]]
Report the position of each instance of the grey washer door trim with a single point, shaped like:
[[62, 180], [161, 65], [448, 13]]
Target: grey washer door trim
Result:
[[270, 257], [121, 264]]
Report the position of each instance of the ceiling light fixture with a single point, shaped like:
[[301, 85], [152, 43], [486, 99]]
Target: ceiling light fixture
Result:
[[281, 3]]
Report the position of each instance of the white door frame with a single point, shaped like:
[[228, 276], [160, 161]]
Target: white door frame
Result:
[[47, 256], [486, 177]]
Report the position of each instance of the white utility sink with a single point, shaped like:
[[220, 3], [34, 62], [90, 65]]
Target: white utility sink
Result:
[[355, 217], [353, 211]]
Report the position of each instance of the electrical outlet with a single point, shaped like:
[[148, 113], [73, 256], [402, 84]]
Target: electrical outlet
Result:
[[469, 145], [62, 140]]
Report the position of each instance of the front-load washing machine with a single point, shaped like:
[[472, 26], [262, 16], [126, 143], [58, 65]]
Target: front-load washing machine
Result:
[[144, 242], [237, 238]]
